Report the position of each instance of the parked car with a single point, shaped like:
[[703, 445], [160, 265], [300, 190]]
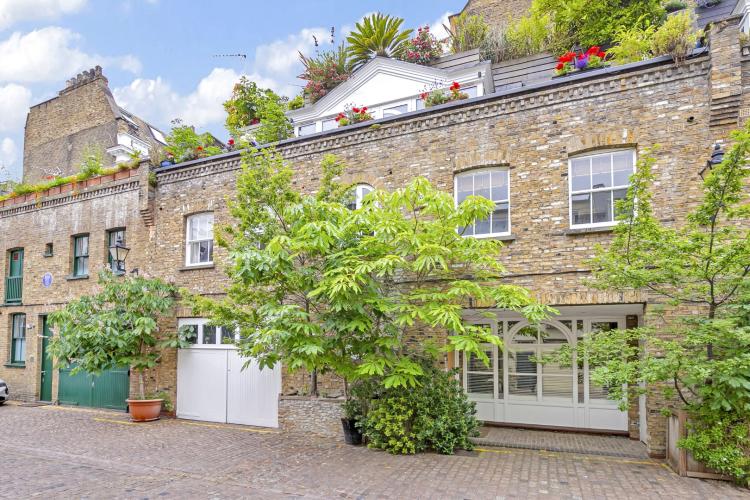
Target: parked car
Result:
[[4, 392]]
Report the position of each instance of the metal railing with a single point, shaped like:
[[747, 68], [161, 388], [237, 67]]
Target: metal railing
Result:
[[13, 289]]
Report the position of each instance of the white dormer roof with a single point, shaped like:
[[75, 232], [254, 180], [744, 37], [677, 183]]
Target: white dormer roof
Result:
[[384, 80]]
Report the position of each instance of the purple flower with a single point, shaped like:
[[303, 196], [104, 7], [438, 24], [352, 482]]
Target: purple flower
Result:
[[582, 62]]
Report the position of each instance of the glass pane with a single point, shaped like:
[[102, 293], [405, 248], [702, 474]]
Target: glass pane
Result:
[[19, 350], [622, 168], [202, 227], [19, 326], [597, 392], [477, 365], [396, 110], [526, 335], [580, 174], [209, 334], [522, 385], [499, 185], [420, 104], [618, 194], [580, 386], [482, 186], [602, 206], [601, 171], [521, 362], [307, 129], [82, 246], [479, 383], [83, 266], [464, 187], [581, 208], [500, 219], [482, 226], [603, 326], [551, 335], [557, 387], [470, 91], [189, 333], [227, 335], [330, 125], [205, 251]]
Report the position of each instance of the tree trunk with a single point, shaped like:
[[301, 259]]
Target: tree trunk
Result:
[[141, 384], [314, 383]]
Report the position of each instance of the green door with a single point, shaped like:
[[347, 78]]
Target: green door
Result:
[[108, 390], [45, 391], [14, 280]]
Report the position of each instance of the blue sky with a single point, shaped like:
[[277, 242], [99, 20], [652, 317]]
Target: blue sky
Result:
[[160, 55]]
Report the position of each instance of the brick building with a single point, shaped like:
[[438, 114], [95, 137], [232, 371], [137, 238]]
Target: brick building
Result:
[[84, 115], [559, 151]]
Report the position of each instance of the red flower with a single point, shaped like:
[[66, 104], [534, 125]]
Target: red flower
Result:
[[560, 66], [340, 116], [356, 110], [424, 95], [230, 142], [455, 86], [601, 55], [364, 110], [199, 148], [255, 121], [594, 50]]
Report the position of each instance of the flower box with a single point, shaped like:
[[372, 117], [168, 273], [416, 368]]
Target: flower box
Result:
[[681, 460], [122, 174], [572, 62]]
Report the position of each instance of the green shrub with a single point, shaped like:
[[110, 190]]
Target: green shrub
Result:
[[435, 415], [632, 44], [528, 36], [675, 5], [721, 440], [468, 33], [586, 23], [93, 159], [676, 37]]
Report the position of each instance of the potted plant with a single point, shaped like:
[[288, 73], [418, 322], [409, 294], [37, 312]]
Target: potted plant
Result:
[[438, 96], [353, 114], [118, 326], [569, 62], [353, 413]]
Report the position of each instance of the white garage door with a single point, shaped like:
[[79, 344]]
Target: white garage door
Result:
[[212, 385]]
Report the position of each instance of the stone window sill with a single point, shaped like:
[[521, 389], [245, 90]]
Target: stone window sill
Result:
[[74, 278], [589, 230], [195, 268], [15, 365]]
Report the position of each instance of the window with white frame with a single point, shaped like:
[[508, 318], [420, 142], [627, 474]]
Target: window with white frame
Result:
[[307, 129], [395, 110], [201, 333], [200, 239], [330, 124], [358, 195], [493, 184], [597, 182]]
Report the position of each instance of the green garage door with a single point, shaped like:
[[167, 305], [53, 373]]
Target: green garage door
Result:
[[108, 390]]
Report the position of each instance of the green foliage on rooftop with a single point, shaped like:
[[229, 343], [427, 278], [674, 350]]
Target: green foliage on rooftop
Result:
[[377, 35]]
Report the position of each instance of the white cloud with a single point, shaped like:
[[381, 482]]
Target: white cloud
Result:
[[280, 58], [50, 54], [14, 104], [8, 157], [437, 27], [13, 11], [156, 100]]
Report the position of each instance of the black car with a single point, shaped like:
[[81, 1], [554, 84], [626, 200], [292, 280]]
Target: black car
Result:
[[4, 392]]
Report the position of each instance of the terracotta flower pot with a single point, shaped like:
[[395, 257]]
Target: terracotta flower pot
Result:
[[144, 410]]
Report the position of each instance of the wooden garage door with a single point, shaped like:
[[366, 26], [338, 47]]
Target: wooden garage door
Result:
[[212, 385], [108, 390]]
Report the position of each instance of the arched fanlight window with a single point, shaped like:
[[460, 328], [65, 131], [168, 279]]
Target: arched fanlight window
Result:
[[358, 194]]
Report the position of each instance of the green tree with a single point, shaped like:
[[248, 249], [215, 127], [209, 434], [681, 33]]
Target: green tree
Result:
[[185, 144], [698, 350], [251, 105], [118, 326], [325, 288], [325, 71], [377, 35], [468, 32]]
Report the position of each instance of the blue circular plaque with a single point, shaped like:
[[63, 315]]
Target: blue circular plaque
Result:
[[47, 280]]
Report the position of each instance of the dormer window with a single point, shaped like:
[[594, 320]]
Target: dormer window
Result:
[[307, 129]]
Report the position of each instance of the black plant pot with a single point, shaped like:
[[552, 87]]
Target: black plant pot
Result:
[[352, 435]]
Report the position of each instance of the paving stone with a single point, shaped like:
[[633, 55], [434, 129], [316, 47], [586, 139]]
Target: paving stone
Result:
[[58, 452]]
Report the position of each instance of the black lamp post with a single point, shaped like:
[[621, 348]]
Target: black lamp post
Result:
[[118, 252], [717, 156]]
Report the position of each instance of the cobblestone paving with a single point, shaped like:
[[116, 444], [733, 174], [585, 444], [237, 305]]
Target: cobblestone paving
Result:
[[54, 452], [572, 442]]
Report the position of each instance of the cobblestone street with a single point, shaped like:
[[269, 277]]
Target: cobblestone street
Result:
[[57, 452]]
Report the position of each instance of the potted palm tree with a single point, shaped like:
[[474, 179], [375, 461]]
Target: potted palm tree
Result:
[[118, 326], [377, 35]]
